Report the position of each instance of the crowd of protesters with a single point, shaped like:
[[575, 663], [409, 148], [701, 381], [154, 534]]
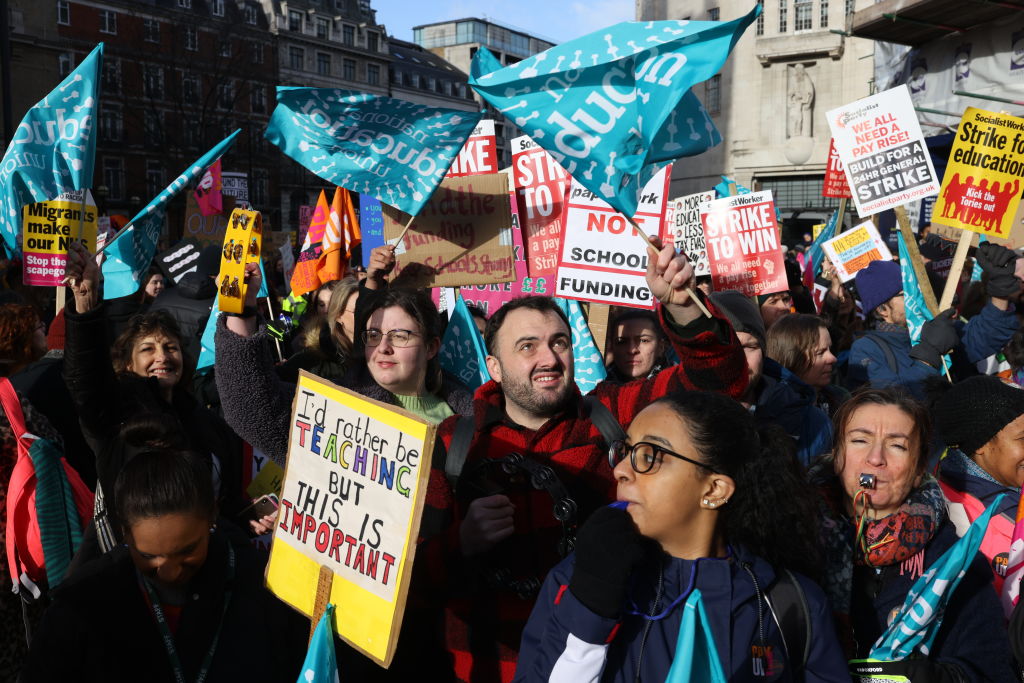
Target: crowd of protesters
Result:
[[799, 469]]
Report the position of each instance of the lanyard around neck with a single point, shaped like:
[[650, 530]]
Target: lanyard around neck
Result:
[[682, 596], [165, 629]]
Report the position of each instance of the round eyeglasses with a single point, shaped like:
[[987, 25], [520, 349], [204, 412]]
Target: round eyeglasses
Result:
[[397, 338], [644, 455]]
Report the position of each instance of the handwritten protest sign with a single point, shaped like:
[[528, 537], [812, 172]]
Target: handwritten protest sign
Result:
[[541, 185], [855, 249], [603, 258], [352, 498], [686, 230], [49, 229], [461, 236], [881, 146], [981, 188], [743, 244], [835, 175], [480, 153]]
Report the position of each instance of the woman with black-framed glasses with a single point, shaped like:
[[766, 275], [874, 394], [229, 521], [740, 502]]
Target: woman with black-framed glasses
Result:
[[708, 502]]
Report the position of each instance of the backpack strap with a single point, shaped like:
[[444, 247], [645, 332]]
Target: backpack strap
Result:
[[12, 407], [789, 606], [890, 357], [603, 419], [458, 451]]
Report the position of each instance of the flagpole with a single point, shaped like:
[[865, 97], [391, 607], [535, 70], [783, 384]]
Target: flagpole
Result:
[[652, 245], [277, 342], [114, 238], [842, 214], [401, 235]]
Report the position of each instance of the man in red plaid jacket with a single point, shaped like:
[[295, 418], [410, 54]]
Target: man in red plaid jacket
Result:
[[486, 546]]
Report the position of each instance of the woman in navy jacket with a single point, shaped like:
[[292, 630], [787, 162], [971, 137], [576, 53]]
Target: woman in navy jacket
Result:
[[693, 475]]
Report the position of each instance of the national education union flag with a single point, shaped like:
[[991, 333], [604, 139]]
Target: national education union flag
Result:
[[54, 147], [393, 150], [129, 255], [615, 106]]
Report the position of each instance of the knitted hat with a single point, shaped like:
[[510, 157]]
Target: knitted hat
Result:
[[878, 283], [55, 337], [743, 315], [970, 413]]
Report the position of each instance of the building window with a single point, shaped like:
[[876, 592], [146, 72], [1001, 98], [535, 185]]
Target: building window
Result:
[[713, 14], [373, 74], [804, 12], [373, 41], [217, 6], [111, 124], [259, 187], [407, 80], [256, 52], [422, 82], [250, 15], [63, 13], [349, 73], [111, 75], [224, 48], [438, 85], [296, 58], [823, 15], [258, 99], [191, 38], [189, 88], [153, 81], [152, 129], [783, 15], [295, 20], [323, 63], [190, 132], [850, 6], [65, 63], [713, 94], [323, 28], [151, 30], [108, 22], [113, 177], [348, 34], [760, 19], [154, 174], [364, 6], [185, 4], [225, 95]]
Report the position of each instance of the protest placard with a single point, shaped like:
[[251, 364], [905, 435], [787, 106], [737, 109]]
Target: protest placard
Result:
[[179, 260], [882, 149], [743, 244], [48, 230], [603, 258], [855, 249], [981, 188], [352, 498], [461, 236], [541, 185], [835, 175], [206, 230], [480, 153], [235, 185], [371, 223], [687, 231]]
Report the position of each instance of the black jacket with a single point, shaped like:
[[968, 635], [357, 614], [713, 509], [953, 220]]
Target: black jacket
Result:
[[100, 626], [189, 302]]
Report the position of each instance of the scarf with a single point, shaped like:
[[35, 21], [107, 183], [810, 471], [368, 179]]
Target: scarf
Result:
[[890, 540], [882, 326]]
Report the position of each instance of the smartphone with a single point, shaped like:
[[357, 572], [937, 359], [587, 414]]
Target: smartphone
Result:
[[261, 507]]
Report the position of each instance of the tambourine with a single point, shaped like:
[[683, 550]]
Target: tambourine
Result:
[[243, 241]]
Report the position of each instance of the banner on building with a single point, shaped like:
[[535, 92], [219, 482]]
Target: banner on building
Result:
[[687, 231], [480, 153], [541, 185], [854, 249], [883, 151], [835, 175], [603, 258], [48, 229], [352, 499], [743, 244]]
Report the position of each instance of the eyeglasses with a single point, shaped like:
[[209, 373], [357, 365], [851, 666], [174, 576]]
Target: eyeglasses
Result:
[[644, 455], [397, 338]]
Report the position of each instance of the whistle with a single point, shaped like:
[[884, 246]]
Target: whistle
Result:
[[867, 481]]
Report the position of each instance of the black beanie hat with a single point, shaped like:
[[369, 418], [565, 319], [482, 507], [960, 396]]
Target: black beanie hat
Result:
[[743, 315], [970, 413]]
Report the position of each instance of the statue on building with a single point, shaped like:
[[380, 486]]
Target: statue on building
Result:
[[801, 103]]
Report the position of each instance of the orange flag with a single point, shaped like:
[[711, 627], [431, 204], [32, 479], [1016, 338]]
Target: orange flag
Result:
[[305, 277], [353, 233], [330, 266]]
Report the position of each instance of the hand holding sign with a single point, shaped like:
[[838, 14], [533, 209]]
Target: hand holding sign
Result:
[[670, 277], [83, 276]]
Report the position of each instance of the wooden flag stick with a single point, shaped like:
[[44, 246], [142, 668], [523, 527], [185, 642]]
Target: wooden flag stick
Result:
[[323, 596], [401, 235], [915, 260], [650, 243], [598, 323], [842, 214], [957, 267]]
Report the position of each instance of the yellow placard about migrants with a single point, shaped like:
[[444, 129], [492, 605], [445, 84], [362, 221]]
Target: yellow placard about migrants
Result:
[[50, 228], [983, 181], [353, 493]]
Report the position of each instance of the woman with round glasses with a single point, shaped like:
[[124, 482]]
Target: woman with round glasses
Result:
[[708, 502]]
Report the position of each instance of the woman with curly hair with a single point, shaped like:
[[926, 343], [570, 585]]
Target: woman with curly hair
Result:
[[22, 338]]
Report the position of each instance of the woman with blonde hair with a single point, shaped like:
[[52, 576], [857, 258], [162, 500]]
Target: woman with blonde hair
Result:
[[328, 338]]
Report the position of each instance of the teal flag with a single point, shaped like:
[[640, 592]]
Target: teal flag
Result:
[[462, 348], [729, 187], [815, 256], [913, 301], [615, 106], [53, 150], [207, 343], [917, 623], [321, 665], [390, 149], [696, 657], [588, 361], [129, 256]]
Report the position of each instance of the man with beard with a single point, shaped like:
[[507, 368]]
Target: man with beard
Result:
[[494, 525]]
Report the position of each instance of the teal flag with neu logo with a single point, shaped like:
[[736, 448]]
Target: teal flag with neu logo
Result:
[[53, 150], [615, 106], [393, 150]]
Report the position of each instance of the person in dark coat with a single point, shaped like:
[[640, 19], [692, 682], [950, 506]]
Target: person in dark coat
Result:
[[884, 526], [178, 602], [190, 300], [692, 472]]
